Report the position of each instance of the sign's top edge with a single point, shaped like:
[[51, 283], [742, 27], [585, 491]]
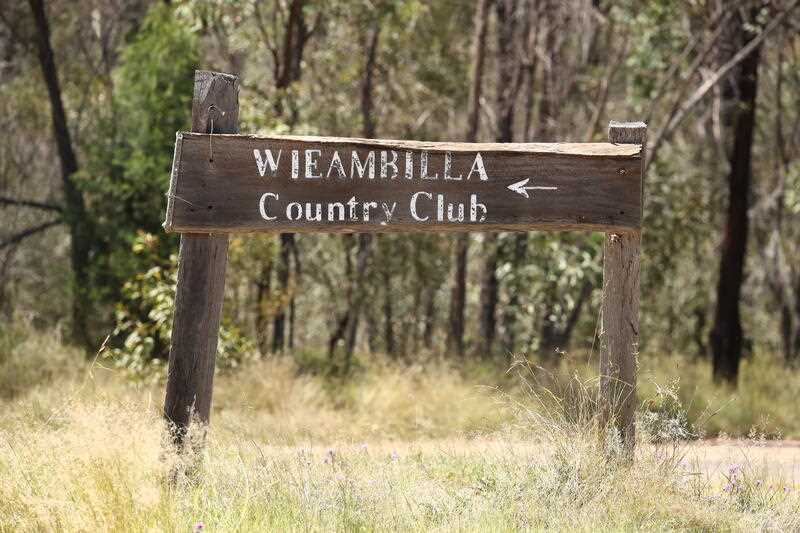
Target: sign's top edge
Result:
[[580, 149]]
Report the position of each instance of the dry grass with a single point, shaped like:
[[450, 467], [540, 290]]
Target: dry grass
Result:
[[396, 448]]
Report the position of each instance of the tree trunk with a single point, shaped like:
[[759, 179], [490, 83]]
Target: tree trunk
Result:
[[287, 72], [357, 290], [488, 297], [359, 293], [367, 85], [531, 19], [364, 239], [519, 250], [263, 308], [507, 87], [508, 72], [458, 296], [388, 311], [726, 333], [543, 131], [796, 349], [430, 317], [554, 338], [286, 295], [290, 58], [478, 62], [75, 209]]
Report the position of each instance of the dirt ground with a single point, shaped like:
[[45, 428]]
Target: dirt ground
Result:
[[769, 459], [776, 462]]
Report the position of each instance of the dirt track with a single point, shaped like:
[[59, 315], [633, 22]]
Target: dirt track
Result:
[[767, 459], [773, 462]]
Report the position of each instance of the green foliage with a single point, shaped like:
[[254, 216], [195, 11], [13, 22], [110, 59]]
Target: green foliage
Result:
[[127, 172], [153, 96], [143, 330], [658, 44]]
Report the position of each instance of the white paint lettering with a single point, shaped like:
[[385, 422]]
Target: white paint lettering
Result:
[[423, 168], [315, 216], [339, 209], [474, 206], [448, 163], [413, 205], [267, 162], [477, 166], [389, 212], [385, 164], [262, 205], [311, 164], [295, 164], [459, 217], [336, 162], [368, 167], [294, 211], [366, 207], [351, 204]]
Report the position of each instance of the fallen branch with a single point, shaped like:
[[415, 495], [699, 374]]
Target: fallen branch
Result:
[[5, 200], [14, 239]]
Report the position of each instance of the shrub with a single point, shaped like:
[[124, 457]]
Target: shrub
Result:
[[141, 339]]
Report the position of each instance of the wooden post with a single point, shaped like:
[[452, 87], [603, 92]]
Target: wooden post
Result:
[[620, 315], [201, 275]]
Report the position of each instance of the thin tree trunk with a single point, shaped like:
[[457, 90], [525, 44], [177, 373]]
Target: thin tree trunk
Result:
[[479, 60], [554, 338], [287, 72], [515, 287], [362, 259], [508, 78], [726, 333], [544, 128], [263, 307], [430, 318], [372, 333], [284, 272], [75, 209], [364, 240], [796, 351], [367, 86], [458, 298], [507, 87], [388, 312], [458, 295], [488, 296], [341, 323]]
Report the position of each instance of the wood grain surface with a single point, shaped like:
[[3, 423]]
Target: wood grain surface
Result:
[[202, 261], [217, 185], [619, 334]]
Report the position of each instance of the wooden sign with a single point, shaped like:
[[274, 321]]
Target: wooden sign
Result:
[[241, 183], [223, 183]]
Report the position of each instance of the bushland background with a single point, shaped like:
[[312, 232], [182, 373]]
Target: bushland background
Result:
[[330, 338]]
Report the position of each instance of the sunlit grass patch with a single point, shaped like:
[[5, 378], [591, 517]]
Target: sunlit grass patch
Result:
[[396, 447]]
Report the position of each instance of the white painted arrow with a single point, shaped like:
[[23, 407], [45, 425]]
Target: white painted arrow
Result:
[[520, 188]]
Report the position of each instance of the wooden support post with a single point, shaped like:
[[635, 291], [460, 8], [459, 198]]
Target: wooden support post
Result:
[[201, 275], [620, 315]]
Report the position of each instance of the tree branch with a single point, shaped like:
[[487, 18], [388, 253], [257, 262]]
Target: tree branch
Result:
[[5, 200], [14, 239], [669, 128]]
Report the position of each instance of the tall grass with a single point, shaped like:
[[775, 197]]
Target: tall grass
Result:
[[401, 448]]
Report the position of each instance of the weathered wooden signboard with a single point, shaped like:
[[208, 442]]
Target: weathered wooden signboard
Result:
[[238, 183], [225, 183]]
